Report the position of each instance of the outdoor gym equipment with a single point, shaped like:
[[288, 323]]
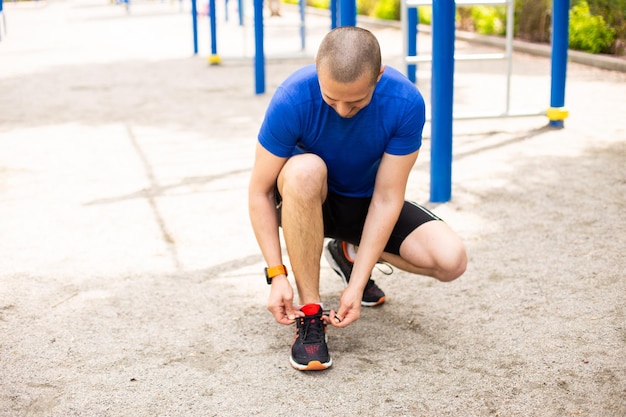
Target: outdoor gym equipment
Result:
[[443, 60], [442, 80], [259, 58]]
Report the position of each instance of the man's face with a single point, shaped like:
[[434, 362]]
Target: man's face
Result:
[[347, 99]]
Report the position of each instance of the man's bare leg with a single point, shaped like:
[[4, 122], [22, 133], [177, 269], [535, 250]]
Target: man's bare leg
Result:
[[302, 185], [434, 250]]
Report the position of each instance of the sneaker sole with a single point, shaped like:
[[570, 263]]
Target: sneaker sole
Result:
[[335, 267], [373, 303], [311, 366]]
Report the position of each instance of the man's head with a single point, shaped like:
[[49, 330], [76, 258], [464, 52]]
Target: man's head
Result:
[[348, 66]]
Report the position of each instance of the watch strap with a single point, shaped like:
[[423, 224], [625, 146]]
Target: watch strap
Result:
[[275, 271]]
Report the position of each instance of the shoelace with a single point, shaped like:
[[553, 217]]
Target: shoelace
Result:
[[389, 269], [311, 328]]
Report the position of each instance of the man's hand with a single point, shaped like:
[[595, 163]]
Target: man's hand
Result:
[[280, 303], [349, 308]]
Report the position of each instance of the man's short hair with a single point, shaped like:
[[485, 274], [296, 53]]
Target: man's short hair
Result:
[[348, 52]]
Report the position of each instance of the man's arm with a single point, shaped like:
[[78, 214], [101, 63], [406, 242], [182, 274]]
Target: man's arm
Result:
[[264, 220], [384, 210]]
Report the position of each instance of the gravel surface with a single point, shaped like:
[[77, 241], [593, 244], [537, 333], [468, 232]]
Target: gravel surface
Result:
[[131, 284]]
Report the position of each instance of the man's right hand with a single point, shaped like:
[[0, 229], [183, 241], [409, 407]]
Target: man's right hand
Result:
[[280, 302]]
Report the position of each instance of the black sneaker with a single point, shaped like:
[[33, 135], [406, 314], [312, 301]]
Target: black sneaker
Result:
[[309, 351], [336, 254]]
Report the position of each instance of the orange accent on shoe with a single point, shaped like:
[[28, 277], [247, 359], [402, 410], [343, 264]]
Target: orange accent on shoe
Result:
[[379, 302], [344, 247], [313, 366]]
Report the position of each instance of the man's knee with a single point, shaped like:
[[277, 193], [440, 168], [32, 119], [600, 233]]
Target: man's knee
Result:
[[453, 263], [435, 249], [304, 174]]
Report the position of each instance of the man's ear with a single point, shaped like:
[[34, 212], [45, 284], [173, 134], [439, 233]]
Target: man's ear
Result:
[[380, 74]]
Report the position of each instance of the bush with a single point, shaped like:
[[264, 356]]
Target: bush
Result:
[[424, 14], [533, 20], [588, 32], [365, 7], [489, 20], [614, 13], [387, 9]]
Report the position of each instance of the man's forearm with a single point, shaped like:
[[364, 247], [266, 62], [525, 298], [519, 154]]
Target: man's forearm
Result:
[[265, 226], [379, 223]]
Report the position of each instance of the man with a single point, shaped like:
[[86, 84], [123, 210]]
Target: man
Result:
[[333, 159]]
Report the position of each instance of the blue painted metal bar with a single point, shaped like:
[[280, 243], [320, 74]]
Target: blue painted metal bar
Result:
[[259, 53], [213, 24], [334, 18], [302, 25], [412, 15], [347, 12], [442, 94], [240, 10], [560, 43], [3, 22], [194, 20]]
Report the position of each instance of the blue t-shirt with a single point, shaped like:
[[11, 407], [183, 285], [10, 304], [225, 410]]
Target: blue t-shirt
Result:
[[299, 121]]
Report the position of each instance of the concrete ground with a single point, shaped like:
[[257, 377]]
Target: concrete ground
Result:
[[131, 283]]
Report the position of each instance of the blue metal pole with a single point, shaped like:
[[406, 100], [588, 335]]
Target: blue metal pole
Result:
[[240, 7], [412, 42], [560, 43], [442, 95], [214, 58], [213, 24], [259, 53], [3, 22], [347, 12], [334, 19], [194, 20], [302, 25]]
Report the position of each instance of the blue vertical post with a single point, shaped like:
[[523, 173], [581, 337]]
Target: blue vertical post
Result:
[[213, 26], [3, 22], [443, 21], [302, 25], [334, 18], [412, 41], [259, 53], [560, 42], [194, 20], [347, 12]]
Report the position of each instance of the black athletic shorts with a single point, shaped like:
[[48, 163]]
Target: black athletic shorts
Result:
[[344, 218]]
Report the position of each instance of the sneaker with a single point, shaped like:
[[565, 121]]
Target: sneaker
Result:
[[336, 254], [309, 351]]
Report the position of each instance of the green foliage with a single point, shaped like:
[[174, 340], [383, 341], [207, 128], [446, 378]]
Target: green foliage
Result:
[[489, 20], [589, 32], [424, 14], [365, 7], [614, 13], [320, 4], [533, 20], [387, 9], [595, 25]]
